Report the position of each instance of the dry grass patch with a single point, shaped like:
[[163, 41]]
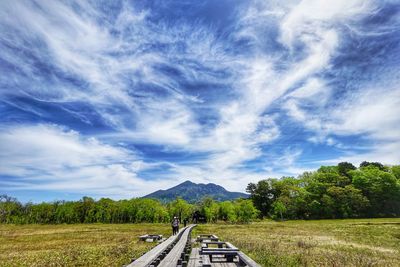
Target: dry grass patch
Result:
[[74, 245], [370, 242], [373, 242]]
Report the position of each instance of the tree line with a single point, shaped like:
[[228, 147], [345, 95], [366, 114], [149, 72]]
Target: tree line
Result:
[[331, 192], [137, 210], [342, 191]]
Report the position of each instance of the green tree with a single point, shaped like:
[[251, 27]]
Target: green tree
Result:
[[395, 170], [227, 211], [381, 188], [349, 202], [345, 167], [208, 208], [180, 208], [374, 164], [245, 210], [279, 209], [263, 195], [10, 209]]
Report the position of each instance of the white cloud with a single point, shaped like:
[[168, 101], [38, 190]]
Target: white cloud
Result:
[[113, 60], [310, 20], [372, 112], [109, 64], [261, 83], [384, 152], [312, 88], [48, 157]]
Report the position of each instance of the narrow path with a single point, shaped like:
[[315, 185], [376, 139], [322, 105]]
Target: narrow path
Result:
[[177, 251], [156, 256]]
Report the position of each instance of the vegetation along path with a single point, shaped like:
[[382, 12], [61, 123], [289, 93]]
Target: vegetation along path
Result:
[[355, 242]]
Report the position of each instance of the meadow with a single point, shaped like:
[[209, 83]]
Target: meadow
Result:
[[351, 242], [74, 244]]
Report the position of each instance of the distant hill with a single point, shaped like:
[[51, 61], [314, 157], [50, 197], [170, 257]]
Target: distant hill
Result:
[[192, 193]]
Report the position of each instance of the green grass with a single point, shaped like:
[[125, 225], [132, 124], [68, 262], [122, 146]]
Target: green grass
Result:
[[74, 245], [365, 242]]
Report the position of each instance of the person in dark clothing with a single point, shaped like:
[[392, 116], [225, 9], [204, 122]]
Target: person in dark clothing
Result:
[[185, 222], [175, 225]]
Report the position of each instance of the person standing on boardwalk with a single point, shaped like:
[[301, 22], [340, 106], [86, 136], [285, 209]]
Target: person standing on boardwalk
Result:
[[175, 225]]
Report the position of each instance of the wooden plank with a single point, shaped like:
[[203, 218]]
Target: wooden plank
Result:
[[175, 254], [151, 255], [214, 242], [244, 259], [201, 238], [205, 261], [150, 238], [206, 244], [224, 264], [195, 258], [205, 235], [219, 252], [229, 245], [204, 249]]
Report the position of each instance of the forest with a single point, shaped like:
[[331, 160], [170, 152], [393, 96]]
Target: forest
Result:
[[331, 192], [136, 210], [342, 191]]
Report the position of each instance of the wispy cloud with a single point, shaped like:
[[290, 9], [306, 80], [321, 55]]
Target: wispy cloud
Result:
[[48, 157], [130, 91]]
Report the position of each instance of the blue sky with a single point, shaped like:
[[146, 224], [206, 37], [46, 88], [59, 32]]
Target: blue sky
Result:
[[121, 98]]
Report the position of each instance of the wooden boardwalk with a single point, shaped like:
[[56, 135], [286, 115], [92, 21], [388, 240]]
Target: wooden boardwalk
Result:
[[176, 256], [177, 251], [156, 256]]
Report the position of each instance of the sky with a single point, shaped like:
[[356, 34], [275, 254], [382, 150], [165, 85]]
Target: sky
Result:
[[121, 98]]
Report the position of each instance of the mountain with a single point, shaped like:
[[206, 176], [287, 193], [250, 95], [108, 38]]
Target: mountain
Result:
[[192, 192]]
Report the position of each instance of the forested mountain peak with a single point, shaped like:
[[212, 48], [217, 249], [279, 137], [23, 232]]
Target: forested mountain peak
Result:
[[193, 192]]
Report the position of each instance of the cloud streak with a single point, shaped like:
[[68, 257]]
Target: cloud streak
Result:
[[131, 92], [48, 157]]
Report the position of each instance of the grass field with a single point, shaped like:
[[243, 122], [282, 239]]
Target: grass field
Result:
[[74, 245], [366, 242], [373, 242]]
